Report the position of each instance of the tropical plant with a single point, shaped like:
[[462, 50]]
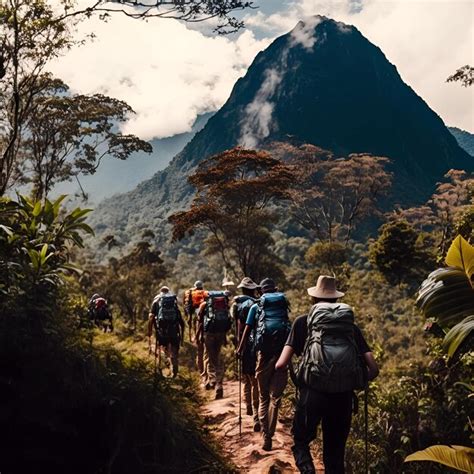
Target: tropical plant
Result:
[[447, 296], [457, 457], [35, 242]]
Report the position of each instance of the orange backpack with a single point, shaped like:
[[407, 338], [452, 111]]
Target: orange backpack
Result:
[[198, 296]]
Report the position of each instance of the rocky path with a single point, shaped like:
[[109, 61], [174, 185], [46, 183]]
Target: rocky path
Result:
[[246, 451]]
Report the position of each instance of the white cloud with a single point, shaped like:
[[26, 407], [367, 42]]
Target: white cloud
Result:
[[168, 73], [427, 40], [256, 122]]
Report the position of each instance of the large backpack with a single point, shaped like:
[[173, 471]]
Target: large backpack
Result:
[[167, 316], [197, 297], [217, 317], [101, 310], [331, 360], [243, 303], [273, 325]]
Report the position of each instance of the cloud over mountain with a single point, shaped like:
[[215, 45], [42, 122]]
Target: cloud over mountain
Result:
[[168, 73]]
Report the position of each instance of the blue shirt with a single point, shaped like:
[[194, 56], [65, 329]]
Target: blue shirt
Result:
[[252, 315]]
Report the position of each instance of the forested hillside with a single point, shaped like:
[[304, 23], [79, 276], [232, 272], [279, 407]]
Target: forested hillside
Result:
[[465, 139], [125, 342]]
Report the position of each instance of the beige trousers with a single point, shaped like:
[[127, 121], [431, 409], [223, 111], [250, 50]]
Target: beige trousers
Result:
[[251, 394], [213, 363], [271, 384]]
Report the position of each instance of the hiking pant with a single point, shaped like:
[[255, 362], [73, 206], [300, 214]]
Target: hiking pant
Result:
[[251, 394], [335, 412], [213, 343], [172, 352], [200, 359], [271, 384], [171, 347]]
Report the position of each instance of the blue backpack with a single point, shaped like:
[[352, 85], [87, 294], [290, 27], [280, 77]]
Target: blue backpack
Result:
[[273, 325], [217, 317]]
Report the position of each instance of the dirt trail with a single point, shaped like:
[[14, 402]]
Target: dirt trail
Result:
[[246, 451]]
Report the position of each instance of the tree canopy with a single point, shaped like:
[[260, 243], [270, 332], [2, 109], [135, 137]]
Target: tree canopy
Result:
[[233, 192]]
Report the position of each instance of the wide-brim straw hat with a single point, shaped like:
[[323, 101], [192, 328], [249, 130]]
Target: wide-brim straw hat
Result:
[[247, 283], [325, 288]]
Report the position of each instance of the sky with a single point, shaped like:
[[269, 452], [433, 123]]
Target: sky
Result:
[[171, 72]]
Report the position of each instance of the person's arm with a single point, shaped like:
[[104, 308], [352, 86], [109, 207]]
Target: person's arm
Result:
[[181, 325], [372, 367], [243, 340], [249, 324], [150, 329], [285, 358]]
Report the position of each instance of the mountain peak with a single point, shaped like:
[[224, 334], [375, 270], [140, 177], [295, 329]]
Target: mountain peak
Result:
[[306, 31]]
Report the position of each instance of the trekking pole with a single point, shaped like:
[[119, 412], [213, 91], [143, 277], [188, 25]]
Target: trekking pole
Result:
[[239, 368], [366, 428]]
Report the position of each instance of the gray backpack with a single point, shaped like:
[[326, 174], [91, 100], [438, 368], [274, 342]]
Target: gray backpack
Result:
[[331, 360]]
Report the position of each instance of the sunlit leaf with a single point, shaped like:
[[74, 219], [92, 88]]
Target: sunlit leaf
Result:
[[37, 209], [456, 457], [461, 255]]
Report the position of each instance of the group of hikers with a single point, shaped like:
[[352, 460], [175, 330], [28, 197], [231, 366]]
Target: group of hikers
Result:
[[334, 361]]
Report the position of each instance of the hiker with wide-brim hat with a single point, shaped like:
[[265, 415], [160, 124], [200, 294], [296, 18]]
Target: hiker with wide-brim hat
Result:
[[336, 360], [239, 310], [269, 318]]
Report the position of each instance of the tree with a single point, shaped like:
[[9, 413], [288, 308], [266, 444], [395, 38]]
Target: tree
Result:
[[68, 135], [464, 75], [34, 32], [234, 191], [448, 210], [396, 254], [31, 37], [327, 256], [191, 11], [331, 196], [129, 282]]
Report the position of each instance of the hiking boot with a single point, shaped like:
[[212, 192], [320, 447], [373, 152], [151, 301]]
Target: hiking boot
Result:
[[249, 410], [303, 459], [256, 427], [307, 469], [219, 393], [267, 443]]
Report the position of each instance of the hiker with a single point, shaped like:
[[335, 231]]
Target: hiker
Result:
[[239, 310], [335, 361], [166, 318], [213, 323], [99, 312], [192, 299], [269, 318]]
